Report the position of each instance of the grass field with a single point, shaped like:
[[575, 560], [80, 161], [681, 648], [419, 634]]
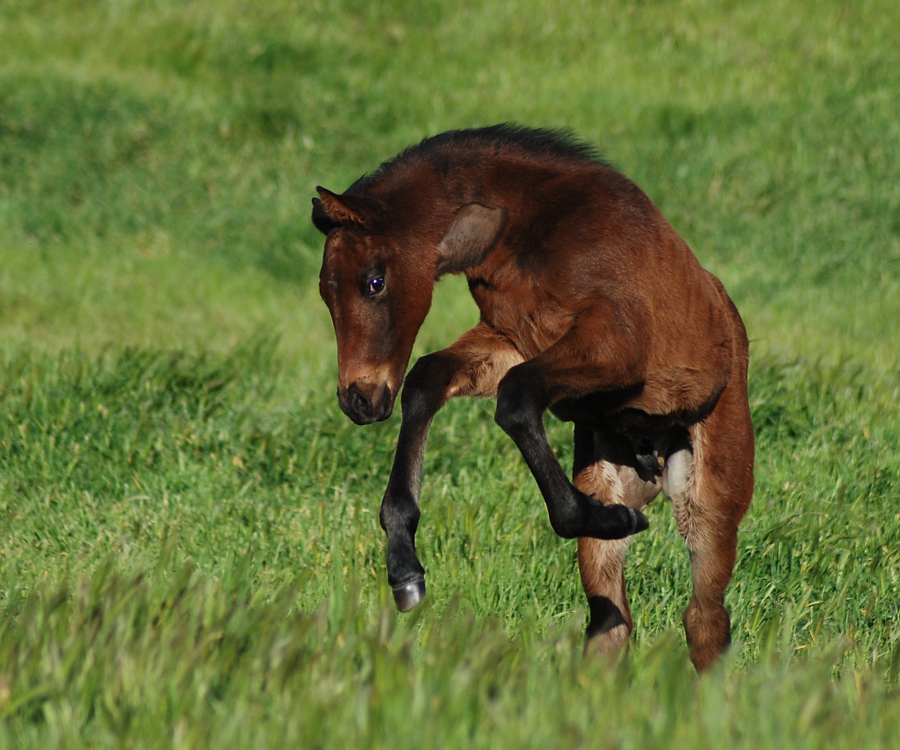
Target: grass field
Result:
[[190, 552]]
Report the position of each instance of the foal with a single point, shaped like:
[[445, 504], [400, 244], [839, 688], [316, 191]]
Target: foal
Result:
[[592, 307]]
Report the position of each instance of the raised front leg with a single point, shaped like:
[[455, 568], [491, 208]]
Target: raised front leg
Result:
[[577, 365], [472, 366]]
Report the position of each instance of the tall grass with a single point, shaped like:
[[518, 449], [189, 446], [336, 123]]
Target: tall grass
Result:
[[118, 661], [222, 579], [190, 550]]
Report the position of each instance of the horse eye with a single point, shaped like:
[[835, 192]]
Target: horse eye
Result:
[[375, 286]]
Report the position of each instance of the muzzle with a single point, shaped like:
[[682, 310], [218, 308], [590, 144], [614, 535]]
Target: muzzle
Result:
[[366, 404]]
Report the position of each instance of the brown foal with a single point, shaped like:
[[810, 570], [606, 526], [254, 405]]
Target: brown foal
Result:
[[592, 307]]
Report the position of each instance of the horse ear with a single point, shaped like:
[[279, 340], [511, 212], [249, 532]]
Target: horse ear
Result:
[[331, 210], [321, 218], [473, 232]]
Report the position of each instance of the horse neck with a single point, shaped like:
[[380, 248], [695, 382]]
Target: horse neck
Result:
[[423, 196]]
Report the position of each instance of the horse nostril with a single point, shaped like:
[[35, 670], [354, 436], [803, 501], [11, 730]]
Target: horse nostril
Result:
[[359, 402]]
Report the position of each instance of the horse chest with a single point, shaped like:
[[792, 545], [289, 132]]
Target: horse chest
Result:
[[521, 314]]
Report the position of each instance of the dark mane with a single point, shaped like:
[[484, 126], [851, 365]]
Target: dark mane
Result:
[[555, 144]]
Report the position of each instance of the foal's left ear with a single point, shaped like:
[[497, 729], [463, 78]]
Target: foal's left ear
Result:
[[331, 210], [473, 232]]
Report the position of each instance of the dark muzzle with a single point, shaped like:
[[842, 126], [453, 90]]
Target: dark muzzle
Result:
[[366, 408]]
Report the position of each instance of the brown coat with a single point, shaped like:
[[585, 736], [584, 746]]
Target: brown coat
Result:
[[591, 306]]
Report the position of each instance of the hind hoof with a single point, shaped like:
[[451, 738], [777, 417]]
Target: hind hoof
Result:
[[408, 595]]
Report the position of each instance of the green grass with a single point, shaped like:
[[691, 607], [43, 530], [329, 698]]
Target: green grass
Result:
[[190, 551]]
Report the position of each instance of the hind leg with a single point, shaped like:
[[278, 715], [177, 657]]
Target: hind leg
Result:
[[710, 481], [602, 562]]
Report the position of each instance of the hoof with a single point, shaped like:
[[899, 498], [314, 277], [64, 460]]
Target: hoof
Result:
[[640, 521], [408, 595]]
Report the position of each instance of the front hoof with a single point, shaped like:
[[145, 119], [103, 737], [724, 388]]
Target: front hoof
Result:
[[408, 595], [641, 523]]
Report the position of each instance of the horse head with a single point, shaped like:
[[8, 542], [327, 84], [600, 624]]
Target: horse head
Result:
[[377, 280], [378, 298]]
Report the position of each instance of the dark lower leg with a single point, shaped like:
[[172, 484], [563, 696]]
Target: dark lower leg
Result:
[[572, 512], [423, 396]]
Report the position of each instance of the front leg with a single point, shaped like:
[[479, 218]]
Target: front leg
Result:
[[423, 395], [472, 366], [523, 396]]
